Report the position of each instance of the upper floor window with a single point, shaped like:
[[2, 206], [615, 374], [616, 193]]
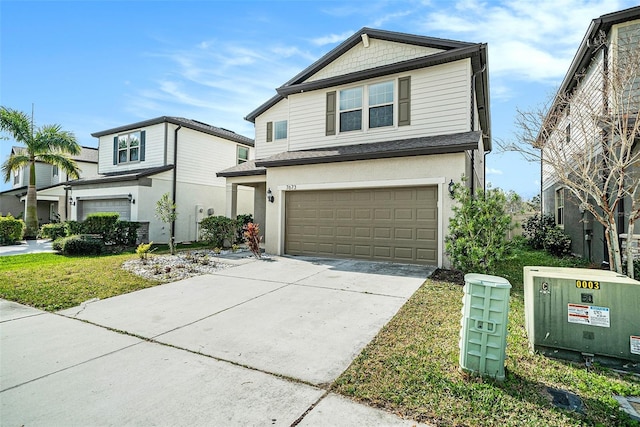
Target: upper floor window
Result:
[[129, 147], [560, 207], [280, 130], [351, 109], [243, 154], [381, 105], [54, 170], [16, 176]]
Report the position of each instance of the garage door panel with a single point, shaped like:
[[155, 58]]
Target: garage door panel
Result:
[[362, 232], [119, 206], [378, 224], [404, 233], [344, 214]]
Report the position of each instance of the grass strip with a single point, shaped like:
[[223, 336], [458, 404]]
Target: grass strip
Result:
[[411, 367], [54, 282]]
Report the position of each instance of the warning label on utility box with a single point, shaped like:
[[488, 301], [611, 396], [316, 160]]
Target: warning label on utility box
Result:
[[588, 315], [635, 344]]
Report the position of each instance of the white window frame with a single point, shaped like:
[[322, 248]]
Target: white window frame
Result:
[[351, 108], [280, 126], [55, 171], [124, 147], [16, 176], [381, 104], [239, 158], [366, 107], [560, 201]]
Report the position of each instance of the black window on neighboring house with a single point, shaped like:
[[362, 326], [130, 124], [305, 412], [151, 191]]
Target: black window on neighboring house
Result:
[[559, 207]]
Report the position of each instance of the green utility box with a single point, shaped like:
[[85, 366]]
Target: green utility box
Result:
[[483, 336], [575, 313]]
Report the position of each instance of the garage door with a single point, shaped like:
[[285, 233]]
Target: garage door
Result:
[[385, 224], [121, 206]]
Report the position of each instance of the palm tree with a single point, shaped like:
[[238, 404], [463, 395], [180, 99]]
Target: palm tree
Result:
[[47, 144]]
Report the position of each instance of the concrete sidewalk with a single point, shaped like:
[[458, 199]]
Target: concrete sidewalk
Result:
[[255, 344], [27, 247]]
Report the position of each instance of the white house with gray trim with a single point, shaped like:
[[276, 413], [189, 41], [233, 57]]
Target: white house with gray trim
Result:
[[355, 154], [139, 162], [51, 193]]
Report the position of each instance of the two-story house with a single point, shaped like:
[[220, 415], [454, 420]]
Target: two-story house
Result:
[[355, 155], [591, 108], [51, 194], [139, 162]]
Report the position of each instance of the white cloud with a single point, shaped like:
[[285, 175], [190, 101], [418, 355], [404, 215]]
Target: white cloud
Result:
[[493, 171], [528, 41], [331, 38]]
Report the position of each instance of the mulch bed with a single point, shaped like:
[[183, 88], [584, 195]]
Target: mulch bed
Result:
[[451, 276]]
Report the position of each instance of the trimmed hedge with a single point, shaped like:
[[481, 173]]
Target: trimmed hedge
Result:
[[102, 223], [81, 244], [11, 230], [53, 231], [216, 229]]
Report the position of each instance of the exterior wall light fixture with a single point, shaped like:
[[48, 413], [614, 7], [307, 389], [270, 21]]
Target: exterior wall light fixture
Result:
[[451, 189], [270, 197], [131, 199]]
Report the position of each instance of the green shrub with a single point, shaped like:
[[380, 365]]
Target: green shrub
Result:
[[53, 231], [557, 243], [535, 229], [143, 250], [56, 245], [103, 224], [125, 233], [82, 244], [477, 237], [11, 230], [216, 229], [73, 227]]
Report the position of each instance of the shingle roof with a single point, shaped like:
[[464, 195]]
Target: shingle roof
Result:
[[131, 175], [453, 51], [188, 123], [243, 169], [87, 155], [439, 144]]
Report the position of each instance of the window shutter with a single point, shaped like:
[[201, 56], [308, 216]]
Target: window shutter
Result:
[[404, 101], [330, 128], [269, 131], [115, 150], [142, 145]]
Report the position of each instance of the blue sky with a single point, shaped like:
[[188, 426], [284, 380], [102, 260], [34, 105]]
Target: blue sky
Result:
[[94, 65]]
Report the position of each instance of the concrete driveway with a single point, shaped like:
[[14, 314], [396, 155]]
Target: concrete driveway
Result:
[[27, 247], [255, 344]]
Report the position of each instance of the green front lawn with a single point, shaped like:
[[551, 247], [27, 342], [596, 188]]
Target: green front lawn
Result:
[[54, 282], [411, 367]]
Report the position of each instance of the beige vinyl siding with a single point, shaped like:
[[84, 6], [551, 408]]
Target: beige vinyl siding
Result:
[[439, 105], [379, 52], [278, 112], [201, 155], [154, 151]]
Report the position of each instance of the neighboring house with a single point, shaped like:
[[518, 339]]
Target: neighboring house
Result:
[[354, 155], [592, 61], [140, 162], [52, 195]]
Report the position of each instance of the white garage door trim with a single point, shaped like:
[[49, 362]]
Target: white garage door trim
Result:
[[125, 213], [439, 181]]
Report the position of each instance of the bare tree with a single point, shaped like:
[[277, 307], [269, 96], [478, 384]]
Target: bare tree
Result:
[[587, 140]]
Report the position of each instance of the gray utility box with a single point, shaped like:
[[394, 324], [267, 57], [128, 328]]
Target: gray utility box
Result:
[[573, 313], [483, 333]]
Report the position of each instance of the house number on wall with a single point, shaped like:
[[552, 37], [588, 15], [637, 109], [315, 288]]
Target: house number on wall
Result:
[[291, 187]]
